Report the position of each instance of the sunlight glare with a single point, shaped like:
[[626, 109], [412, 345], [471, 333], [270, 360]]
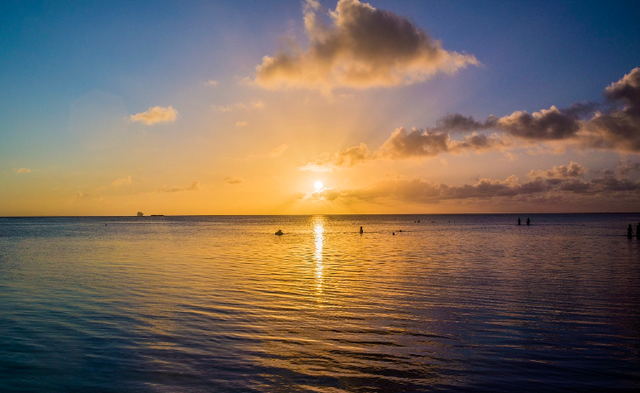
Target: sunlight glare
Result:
[[318, 185]]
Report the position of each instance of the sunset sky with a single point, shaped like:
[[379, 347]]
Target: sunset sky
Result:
[[219, 107]]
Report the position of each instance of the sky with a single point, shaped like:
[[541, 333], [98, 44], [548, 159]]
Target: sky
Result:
[[245, 107]]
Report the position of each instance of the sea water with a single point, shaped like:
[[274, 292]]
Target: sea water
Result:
[[221, 304]]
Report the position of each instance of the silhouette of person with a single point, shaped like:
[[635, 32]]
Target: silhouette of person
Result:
[[519, 222], [528, 221], [630, 231], [638, 230], [361, 231]]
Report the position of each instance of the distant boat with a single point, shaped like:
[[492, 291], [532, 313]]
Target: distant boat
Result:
[[140, 214]]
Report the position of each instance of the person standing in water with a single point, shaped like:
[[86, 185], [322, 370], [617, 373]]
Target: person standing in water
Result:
[[361, 231], [519, 222], [630, 231], [638, 230], [528, 221]]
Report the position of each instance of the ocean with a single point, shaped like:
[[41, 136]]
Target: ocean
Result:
[[221, 304]]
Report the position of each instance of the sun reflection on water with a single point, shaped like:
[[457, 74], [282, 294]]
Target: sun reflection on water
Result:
[[318, 235]]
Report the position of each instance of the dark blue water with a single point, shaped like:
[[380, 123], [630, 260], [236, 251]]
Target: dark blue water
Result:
[[221, 304]]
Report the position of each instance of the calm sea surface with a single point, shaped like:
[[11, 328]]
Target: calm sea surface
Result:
[[221, 304]]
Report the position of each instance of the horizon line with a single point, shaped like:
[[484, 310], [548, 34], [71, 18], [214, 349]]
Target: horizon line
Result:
[[314, 214]]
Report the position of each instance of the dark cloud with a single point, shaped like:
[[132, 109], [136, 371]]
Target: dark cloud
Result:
[[456, 122], [360, 46], [614, 131], [619, 128], [627, 167], [562, 182], [613, 184], [614, 125], [479, 142], [627, 92], [547, 124]]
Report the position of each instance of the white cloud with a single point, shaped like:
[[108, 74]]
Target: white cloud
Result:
[[121, 182], [255, 104], [156, 114], [278, 151]]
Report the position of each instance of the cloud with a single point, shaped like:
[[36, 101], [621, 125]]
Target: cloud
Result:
[[359, 46], [242, 123], [223, 109], [479, 143], [22, 170], [255, 104], [156, 114], [350, 157], [278, 151], [415, 143], [547, 124], [544, 125], [233, 180], [627, 167], [614, 125], [121, 182], [626, 91], [456, 122], [82, 197], [404, 144], [211, 83], [619, 128], [573, 170], [561, 182], [324, 194], [195, 186]]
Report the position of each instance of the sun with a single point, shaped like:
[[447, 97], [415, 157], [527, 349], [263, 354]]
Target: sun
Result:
[[318, 185]]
